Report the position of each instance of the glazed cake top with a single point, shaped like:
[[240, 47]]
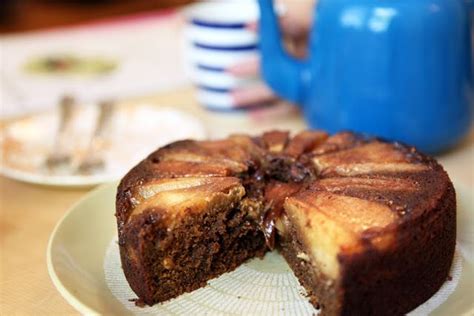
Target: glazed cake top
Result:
[[367, 186]]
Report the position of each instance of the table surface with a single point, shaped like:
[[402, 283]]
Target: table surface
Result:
[[28, 213]]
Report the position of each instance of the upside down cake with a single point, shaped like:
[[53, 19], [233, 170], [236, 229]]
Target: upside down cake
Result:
[[367, 226]]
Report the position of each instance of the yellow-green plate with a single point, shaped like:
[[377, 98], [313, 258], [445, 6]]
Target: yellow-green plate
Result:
[[81, 241]]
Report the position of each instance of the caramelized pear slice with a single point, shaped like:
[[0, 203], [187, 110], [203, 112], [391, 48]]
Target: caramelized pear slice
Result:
[[357, 169], [172, 197], [336, 142], [199, 158], [238, 148], [248, 144], [150, 189], [275, 141], [336, 185], [355, 214], [330, 225], [374, 157], [231, 154], [305, 141], [176, 169]]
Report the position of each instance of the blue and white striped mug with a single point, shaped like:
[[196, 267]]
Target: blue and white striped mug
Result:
[[218, 37]]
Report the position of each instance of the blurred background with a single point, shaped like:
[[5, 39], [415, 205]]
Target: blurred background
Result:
[[27, 15], [118, 49], [61, 61], [52, 48]]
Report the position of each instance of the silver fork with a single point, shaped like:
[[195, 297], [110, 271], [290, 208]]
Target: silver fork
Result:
[[94, 158], [60, 158]]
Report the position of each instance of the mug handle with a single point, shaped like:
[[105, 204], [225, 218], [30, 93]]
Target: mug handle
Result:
[[286, 75]]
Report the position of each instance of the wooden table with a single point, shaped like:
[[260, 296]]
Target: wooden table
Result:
[[28, 213]]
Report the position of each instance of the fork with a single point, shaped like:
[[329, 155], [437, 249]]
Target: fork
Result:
[[60, 158], [94, 158]]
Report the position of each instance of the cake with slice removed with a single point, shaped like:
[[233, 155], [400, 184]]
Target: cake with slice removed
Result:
[[367, 226]]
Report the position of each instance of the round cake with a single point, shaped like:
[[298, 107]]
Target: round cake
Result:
[[367, 226]]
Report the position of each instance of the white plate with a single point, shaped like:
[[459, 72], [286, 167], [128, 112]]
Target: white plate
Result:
[[78, 248], [136, 131]]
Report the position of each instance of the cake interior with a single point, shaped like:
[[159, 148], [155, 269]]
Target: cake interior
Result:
[[210, 234], [203, 247], [320, 288]]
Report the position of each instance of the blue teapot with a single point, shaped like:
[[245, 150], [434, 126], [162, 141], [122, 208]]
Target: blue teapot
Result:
[[398, 69]]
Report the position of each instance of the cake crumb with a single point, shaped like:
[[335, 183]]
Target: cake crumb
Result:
[[138, 302], [168, 263], [450, 278]]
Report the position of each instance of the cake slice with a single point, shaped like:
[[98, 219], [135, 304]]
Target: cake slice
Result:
[[357, 237], [321, 229], [184, 231], [183, 219]]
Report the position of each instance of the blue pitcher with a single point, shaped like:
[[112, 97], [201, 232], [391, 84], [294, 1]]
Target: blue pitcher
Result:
[[398, 69]]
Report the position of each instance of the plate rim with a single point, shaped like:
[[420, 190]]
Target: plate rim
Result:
[[87, 181], [65, 293], [57, 181]]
